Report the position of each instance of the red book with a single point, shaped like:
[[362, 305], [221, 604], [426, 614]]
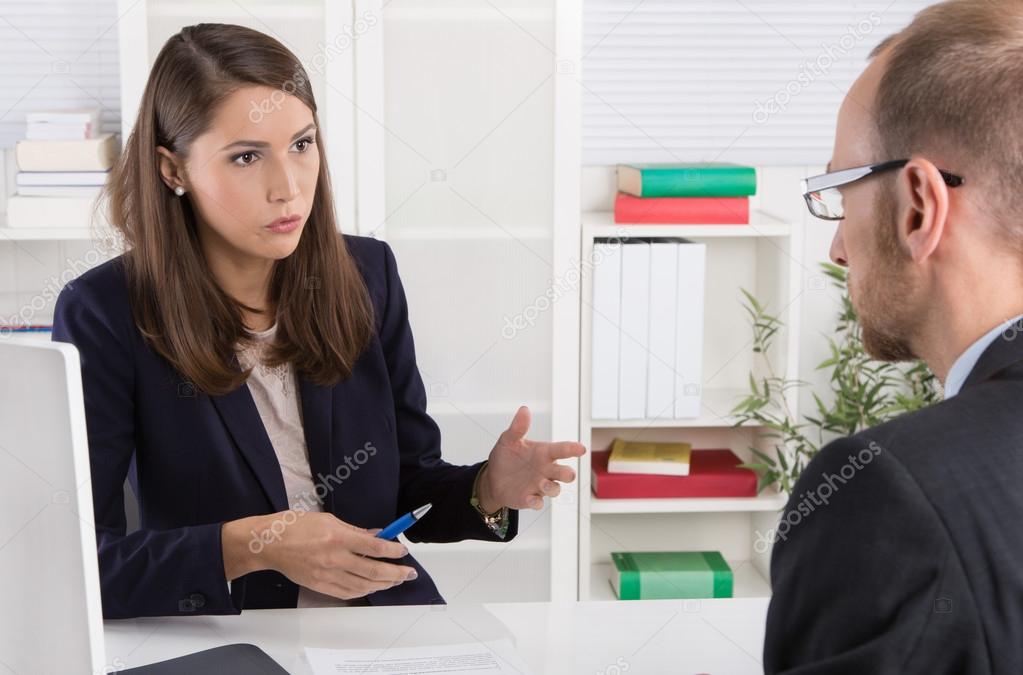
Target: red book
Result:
[[681, 210], [712, 473]]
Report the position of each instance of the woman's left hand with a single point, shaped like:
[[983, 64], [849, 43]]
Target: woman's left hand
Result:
[[521, 472]]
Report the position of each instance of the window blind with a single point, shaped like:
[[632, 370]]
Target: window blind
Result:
[[57, 54], [753, 81]]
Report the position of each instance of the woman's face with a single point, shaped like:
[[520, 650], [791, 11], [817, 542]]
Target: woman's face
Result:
[[258, 163]]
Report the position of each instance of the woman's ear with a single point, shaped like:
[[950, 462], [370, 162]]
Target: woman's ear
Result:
[[171, 169]]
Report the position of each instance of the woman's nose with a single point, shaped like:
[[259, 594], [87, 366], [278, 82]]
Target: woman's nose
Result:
[[283, 187]]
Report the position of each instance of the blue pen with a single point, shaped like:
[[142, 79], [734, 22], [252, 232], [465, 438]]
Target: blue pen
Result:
[[403, 523]]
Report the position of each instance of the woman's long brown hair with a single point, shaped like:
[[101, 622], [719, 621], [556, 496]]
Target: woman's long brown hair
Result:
[[323, 310]]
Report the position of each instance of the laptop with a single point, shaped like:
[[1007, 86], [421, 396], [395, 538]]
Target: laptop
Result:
[[49, 575]]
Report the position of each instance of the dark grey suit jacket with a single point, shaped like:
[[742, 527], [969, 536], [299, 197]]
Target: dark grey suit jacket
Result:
[[901, 548]]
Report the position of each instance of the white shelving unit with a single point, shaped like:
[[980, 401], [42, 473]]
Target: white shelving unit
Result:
[[418, 85], [761, 257]]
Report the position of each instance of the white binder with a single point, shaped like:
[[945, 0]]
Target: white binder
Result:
[[607, 293], [661, 357], [689, 327], [635, 337]]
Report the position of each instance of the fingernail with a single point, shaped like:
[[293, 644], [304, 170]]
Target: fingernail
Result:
[[412, 575], [404, 550]]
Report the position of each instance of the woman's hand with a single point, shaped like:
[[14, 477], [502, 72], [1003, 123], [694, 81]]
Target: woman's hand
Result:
[[521, 472], [315, 550]]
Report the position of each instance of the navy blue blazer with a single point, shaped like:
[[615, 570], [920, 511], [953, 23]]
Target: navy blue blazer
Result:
[[202, 460]]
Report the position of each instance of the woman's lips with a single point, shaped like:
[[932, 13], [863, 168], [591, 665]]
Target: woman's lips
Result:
[[284, 225]]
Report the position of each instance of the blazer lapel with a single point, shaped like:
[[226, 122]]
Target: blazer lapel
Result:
[[241, 417], [317, 404]]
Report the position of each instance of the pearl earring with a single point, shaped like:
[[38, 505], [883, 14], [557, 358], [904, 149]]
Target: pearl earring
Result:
[[179, 191]]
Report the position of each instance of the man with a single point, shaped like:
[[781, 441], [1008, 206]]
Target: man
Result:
[[901, 548]]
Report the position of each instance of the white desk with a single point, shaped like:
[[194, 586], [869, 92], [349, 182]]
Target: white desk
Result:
[[607, 638]]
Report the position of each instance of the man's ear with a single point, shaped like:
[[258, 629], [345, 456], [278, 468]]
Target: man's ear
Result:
[[171, 168], [923, 208]]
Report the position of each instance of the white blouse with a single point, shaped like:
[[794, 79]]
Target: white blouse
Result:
[[275, 392]]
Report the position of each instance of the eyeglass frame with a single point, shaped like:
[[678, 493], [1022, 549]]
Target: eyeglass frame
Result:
[[837, 179]]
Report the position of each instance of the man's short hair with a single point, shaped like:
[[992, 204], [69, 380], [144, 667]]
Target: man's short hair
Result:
[[954, 85]]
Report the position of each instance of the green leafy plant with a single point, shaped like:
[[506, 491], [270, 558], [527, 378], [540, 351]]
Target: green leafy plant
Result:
[[864, 392]]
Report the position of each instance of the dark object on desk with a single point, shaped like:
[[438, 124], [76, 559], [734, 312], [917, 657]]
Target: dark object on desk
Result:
[[237, 659]]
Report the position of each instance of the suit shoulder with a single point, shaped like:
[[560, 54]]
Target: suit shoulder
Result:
[[365, 248], [940, 429], [376, 262], [927, 446], [98, 296], [105, 283], [371, 257]]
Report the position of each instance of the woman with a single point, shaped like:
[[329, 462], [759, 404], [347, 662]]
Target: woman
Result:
[[255, 370]]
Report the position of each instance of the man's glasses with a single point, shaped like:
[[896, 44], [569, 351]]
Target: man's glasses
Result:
[[824, 199]]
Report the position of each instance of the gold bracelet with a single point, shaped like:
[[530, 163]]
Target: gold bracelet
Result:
[[491, 519]]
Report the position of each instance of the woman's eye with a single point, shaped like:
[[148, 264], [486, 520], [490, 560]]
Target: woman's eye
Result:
[[303, 143], [245, 159]]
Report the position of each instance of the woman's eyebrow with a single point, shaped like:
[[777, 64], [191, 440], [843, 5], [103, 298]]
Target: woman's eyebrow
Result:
[[264, 144]]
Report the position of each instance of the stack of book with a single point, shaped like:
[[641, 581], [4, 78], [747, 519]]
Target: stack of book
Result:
[[671, 575], [62, 165], [663, 459], [684, 194], [647, 340], [647, 473]]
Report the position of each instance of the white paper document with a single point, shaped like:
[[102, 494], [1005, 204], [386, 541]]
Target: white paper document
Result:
[[470, 658]]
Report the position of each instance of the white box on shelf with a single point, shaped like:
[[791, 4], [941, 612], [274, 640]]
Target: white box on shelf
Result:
[[8, 176], [663, 302], [635, 325], [64, 212], [607, 296], [692, 263]]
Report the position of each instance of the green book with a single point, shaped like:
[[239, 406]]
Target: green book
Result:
[[671, 575], [687, 180]]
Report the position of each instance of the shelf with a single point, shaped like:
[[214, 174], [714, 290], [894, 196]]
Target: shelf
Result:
[[438, 407], [434, 233], [51, 234], [748, 582], [602, 224], [27, 337], [715, 411], [768, 501]]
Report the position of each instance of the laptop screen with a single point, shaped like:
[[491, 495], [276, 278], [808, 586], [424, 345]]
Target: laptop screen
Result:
[[49, 578]]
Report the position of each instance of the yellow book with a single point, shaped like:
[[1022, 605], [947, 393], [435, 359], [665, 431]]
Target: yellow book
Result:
[[666, 459]]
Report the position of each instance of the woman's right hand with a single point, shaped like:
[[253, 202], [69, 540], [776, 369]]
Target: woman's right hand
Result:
[[315, 550]]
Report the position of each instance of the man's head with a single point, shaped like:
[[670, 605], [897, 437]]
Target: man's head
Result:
[[945, 94]]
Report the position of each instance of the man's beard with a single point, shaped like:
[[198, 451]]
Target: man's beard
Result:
[[885, 308]]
